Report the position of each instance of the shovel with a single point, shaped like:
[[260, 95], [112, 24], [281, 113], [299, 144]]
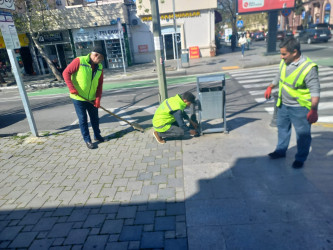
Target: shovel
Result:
[[133, 124]]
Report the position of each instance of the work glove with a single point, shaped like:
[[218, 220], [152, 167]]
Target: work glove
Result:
[[97, 102], [312, 116], [73, 91], [268, 92]]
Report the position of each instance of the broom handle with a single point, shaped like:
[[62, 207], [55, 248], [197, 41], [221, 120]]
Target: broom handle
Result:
[[113, 114]]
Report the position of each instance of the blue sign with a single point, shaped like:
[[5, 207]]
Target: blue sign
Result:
[[285, 12], [240, 23]]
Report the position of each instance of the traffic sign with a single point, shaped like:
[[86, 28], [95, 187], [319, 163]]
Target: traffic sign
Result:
[[285, 12], [240, 23]]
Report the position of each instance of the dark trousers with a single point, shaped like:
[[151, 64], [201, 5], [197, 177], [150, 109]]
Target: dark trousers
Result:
[[81, 108]]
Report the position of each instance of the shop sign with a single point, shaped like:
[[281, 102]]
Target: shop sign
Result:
[[143, 48], [170, 16], [50, 37], [99, 33], [24, 40]]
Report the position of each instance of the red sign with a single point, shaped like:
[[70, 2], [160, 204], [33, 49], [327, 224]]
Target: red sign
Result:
[[194, 52], [249, 6], [143, 48]]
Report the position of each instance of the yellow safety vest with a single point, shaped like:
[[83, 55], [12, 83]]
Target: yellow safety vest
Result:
[[294, 84], [84, 81], [162, 119]]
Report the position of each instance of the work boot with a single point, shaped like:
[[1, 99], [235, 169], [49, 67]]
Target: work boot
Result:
[[99, 138], [90, 145], [158, 138], [275, 155]]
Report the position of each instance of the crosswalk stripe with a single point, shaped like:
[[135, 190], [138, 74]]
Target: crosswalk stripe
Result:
[[326, 119], [257, 80], [325, 105]]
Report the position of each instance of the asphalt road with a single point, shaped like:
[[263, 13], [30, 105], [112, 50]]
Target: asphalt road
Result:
[[54, 110]]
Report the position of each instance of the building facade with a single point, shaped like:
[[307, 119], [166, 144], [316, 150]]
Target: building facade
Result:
[[315, 11], [195, 27], [73, 30]]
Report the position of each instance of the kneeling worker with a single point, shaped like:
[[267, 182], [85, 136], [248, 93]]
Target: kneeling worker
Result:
[[168, 120]]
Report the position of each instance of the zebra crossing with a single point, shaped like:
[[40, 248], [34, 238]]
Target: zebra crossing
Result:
[[255, 81]]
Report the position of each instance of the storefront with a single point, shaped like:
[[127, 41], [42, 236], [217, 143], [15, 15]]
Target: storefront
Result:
[[22, 55], [56, 44], [109, 38], [194, 29]]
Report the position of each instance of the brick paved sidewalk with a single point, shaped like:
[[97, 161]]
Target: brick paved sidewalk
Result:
[[57, 194]]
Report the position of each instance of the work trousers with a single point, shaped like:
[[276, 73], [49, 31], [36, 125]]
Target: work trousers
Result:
[[81, 108], [296, 116], [173, 132]]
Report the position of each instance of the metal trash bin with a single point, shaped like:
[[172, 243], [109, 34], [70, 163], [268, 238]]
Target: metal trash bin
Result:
[[185, 56], [211, 95]]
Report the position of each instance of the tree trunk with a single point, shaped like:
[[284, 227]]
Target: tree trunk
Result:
[[54, 70]]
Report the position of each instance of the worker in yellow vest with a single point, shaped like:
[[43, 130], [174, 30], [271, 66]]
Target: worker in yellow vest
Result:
[[298, 99], [84, 77], [168, 120]]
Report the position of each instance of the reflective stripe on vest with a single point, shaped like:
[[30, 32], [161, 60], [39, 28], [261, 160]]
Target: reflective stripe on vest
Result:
[[84, 81], [293, 85]]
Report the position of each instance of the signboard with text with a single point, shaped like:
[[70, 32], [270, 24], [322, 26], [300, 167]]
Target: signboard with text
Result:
[[8, 31], [250, 6], [7, 4]]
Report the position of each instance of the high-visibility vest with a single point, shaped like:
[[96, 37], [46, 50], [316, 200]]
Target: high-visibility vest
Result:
[[294, 84], [84, 81], [162, 119]]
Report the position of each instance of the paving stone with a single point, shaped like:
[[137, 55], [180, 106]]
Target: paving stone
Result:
[[176, 244], [112, 226], [146, 217], [95, 242], [76, 236], [131, 233], [79, 214], [95, 220], [166, 193], [117, 245], [45, 224], [165, 223], [23, 239], [9, 233], [60, 230], [31, 218], [152, 240], [177, 208], [41, 244], [159, 179], [126, 212]]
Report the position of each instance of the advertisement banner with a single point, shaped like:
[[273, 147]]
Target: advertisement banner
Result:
[[250, 6]]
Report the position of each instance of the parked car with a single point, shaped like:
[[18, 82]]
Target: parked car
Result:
[[314, 35], [282, 34], [258, 36]]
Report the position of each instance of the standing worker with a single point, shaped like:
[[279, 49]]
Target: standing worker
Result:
[[297, 102], [84, 77], [168, 120], [242, 41]]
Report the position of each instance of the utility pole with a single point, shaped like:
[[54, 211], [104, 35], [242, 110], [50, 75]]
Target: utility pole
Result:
[[159, 51], [175, 36]]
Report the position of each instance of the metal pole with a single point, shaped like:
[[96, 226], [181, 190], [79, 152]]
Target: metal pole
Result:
[[122, 51], [175, 35], [272, 29], [159, 51], [120, 32], [22, 91]]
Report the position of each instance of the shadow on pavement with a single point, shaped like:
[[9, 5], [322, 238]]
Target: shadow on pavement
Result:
[[258, 203]]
